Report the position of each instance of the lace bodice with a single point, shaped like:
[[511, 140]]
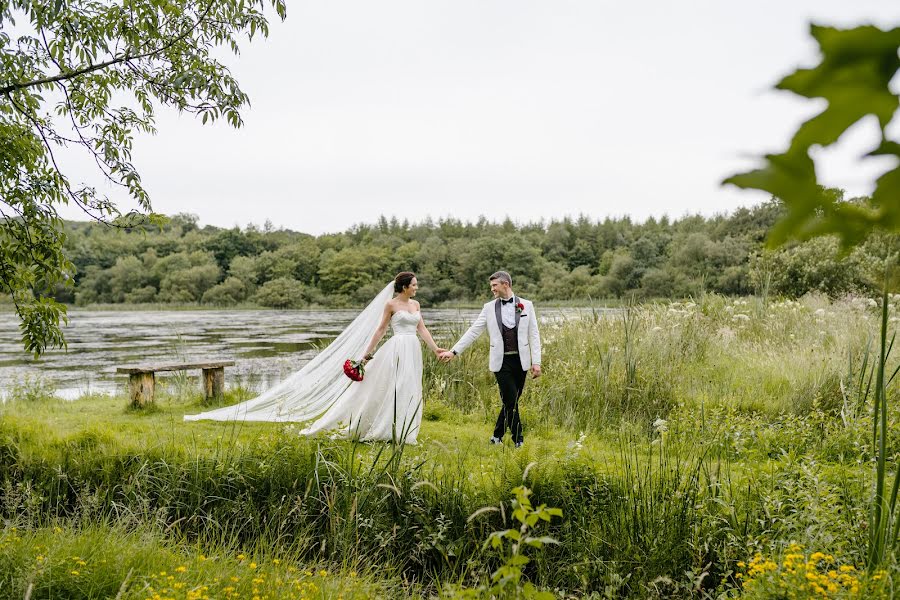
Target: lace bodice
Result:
[[404, 322]]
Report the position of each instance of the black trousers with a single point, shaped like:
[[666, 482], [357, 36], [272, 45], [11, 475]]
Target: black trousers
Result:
[[511, 379]]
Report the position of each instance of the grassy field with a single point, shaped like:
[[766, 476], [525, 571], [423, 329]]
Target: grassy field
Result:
[[709, 449]]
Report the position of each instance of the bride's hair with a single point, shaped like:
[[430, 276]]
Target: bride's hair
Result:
[[402, 280]]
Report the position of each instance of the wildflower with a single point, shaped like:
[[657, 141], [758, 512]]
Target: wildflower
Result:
[[181, 569], [241, 556], [75, 573]]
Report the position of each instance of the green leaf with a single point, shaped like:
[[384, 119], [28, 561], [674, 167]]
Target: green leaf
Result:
[[856, 68], [853, 76]]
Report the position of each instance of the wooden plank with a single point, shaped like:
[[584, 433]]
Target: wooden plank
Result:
[[214, 384], [174, 367], [142, 386]]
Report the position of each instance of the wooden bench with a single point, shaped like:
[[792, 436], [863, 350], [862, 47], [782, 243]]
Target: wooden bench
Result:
[[142, 380]]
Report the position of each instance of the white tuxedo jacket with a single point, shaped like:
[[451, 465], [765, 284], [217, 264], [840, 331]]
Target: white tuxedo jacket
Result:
[[529, 336]]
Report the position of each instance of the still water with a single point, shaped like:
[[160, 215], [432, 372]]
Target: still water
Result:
[[265, 345]]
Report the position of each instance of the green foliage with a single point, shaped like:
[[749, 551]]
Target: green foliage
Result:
[[853, 76], [698, 435], [722, 254], [229, 292], [109, 560], [282, 293], [64, 69], [31, 389], [507, 580], [354, 270]]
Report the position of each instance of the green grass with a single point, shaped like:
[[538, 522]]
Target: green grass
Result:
[[678, 440], [107, 561]]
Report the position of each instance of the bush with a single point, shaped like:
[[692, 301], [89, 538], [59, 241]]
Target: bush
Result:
[[283, 293], [229, 292], [31, 389]]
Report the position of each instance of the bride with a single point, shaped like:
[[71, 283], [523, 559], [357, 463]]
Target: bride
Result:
[[385, 405]]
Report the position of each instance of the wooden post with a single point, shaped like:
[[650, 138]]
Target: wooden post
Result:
[[142, 387], [214, 384]]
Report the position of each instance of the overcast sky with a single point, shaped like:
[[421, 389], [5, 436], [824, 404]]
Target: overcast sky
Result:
[[502, 108]]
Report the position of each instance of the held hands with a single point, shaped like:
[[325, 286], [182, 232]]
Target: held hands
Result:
[[445, 355]]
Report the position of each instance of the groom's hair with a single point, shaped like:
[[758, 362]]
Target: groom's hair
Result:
[[502, 276]]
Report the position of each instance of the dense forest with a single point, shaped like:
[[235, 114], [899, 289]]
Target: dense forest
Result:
[[568, 259]]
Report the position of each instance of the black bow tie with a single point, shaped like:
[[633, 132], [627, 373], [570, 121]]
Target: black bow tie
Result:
[[507, 301]]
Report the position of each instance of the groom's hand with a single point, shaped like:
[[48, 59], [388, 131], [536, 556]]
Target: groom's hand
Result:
[[535, 371], [446, 356]]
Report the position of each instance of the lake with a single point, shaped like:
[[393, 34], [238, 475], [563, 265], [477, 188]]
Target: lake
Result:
[[266, 345]]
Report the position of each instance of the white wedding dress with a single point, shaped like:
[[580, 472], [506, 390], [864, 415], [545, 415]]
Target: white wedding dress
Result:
[[386, 405]]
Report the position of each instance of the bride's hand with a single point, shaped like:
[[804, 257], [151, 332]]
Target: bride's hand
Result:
[[439, 351]]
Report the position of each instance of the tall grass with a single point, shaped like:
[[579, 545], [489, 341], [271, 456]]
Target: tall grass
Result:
[[677, 439]]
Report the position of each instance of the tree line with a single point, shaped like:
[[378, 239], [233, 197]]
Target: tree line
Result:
[[569, 259]]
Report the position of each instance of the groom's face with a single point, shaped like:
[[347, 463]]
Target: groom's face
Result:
[[499, 288]]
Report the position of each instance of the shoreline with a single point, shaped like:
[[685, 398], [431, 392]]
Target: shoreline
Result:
[[610, 303]]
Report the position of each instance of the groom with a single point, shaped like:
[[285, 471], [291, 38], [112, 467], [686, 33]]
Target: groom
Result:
[[515, 349]]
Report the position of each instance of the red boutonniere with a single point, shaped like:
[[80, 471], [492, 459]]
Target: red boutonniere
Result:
[[354, 370], [519, 307]]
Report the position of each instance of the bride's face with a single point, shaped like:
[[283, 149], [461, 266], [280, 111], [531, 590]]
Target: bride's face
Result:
[[413, 287]]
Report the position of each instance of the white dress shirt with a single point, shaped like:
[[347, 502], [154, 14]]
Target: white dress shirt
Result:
[[508, 313]]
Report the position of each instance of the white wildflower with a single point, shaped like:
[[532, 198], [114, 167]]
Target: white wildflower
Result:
[[726, 333]]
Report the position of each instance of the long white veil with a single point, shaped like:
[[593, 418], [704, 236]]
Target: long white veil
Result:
[[313, 389]]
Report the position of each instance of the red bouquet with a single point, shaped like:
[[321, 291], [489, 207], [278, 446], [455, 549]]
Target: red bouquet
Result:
[[354, 369]]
